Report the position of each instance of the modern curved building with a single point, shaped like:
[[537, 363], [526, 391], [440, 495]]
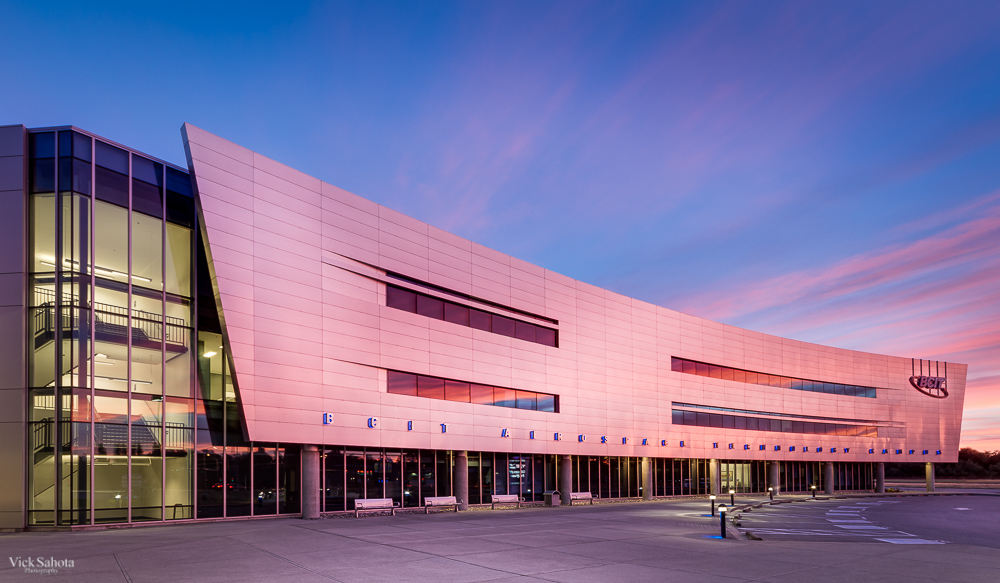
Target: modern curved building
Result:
[[236, 338]]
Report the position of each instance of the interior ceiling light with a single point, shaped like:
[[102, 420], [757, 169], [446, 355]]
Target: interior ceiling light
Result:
[[209, 354]]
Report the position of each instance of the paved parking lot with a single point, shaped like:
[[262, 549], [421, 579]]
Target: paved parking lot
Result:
[[972, 520], [672, 540]]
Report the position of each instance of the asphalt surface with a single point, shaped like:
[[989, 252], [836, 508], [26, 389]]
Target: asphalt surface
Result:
[[667, 540], [969, 520]]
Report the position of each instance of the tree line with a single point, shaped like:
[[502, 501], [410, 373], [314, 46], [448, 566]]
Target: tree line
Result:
[[971, 463]]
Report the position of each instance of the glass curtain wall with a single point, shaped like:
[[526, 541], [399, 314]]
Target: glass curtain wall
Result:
[[111, 432]]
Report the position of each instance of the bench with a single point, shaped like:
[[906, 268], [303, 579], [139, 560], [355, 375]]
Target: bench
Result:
[[579, 496], [374, 504], [505, 499], [439, 501]]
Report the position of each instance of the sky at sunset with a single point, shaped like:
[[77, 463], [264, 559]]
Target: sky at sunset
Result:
[[827, 171]]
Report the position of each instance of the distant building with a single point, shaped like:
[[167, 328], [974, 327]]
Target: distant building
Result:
[[236, 338]]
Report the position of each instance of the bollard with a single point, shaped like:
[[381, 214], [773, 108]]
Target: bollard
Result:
[[770, 494], [722, 519], [814, 491], [712, 498], [732, 497]]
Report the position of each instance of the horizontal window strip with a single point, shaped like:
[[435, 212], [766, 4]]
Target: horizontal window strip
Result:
[[769, 414], [404, 383], [739, 422], [726, 373], [432, 307]]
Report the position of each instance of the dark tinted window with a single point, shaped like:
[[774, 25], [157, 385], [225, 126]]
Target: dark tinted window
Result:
[[456, 314], [42, 145], [545, 336], [676, 365], [111, 157], [524, 331], [147, 199], [111, 186], [715, 420], [180, 209], [741, 423], [677, 417], [690, 418], [504, 326], [81, 147], [480, 320], [752, 423], [703, 420], [430, 307], [400, 299], [402, 383]]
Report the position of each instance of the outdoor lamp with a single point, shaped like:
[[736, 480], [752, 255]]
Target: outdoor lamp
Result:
[[722, 519], [770, 493], [732, 497], [712, 498], [813, 487]]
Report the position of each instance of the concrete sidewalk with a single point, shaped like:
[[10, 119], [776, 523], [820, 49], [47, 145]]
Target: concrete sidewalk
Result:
[[670, 540]]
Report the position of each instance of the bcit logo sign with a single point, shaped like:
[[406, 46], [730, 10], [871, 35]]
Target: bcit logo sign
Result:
[[930, 386], [933, 386]]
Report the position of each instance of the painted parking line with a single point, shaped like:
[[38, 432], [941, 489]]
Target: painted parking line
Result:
[[843, 522], [911, 541]]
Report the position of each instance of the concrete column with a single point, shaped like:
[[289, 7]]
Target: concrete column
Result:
[[565, 478], [462, 479], [930, 476], [774, 476], [310, 482], [715, 478], [828, 478], [880, 478], [647, 479]]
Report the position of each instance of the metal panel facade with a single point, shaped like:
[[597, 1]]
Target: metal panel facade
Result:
[[300, 269]]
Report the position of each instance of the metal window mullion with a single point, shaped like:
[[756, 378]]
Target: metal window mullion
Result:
[[58, 348], [93, 318], [252, 464], [163, 344], [128, 345]]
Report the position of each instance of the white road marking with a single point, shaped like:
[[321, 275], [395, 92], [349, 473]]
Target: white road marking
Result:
[[860, 527], [911, 541]]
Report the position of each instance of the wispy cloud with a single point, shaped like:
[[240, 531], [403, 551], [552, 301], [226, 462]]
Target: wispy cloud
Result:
[[935, 296]]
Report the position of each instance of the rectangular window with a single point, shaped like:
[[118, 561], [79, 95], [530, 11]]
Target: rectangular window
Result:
[[545, 336], [456, 391], [524, 331], [401, 383], [400, 299], [526, 400], [456, 314], [480, 320], [504, 397], [430, 307], [482, 394], [430, 387], [503, 326], [677, 417], [547, 403]]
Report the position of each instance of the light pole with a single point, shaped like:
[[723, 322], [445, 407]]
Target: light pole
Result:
[[722, 519], [712, 498]]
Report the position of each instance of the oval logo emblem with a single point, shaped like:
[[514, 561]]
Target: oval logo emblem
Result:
[[930, 386]]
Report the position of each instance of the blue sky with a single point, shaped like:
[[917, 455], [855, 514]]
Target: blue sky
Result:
[[824, 171]]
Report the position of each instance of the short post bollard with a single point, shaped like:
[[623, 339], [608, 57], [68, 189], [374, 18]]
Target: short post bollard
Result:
[[712, 498], [732, 497], [722, 519], [813, 488], [770, 494]]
